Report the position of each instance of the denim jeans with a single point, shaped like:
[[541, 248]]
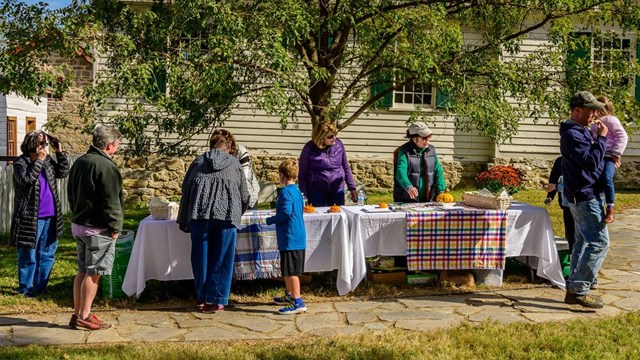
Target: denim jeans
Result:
[[608, 173], [318, 198], [213, 248], [591, 246], [34, 265]]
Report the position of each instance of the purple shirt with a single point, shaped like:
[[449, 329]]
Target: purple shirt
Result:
[[47, 207]]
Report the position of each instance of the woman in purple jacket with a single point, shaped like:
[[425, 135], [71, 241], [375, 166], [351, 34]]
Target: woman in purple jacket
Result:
[[324, 168]]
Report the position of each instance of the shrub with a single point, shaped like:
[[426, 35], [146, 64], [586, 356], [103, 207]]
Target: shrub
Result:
[[501, 176]]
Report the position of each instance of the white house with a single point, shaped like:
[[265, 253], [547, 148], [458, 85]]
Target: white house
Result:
[[18, 116]]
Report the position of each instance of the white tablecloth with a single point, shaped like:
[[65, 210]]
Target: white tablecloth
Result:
[[162, 252], [529, 233]]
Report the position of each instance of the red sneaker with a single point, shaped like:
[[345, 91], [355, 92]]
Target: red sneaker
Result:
[[86, 324], [96, 320], [211, 308]]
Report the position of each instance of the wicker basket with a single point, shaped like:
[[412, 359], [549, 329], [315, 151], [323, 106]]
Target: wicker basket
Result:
[[486, 202], [164, 212]]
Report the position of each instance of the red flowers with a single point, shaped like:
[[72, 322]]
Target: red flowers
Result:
[[501, 176]]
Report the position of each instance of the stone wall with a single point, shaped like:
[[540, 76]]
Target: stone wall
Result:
[[63, 113], [145, 178]]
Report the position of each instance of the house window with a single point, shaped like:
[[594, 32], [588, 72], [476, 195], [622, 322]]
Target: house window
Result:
[[31, 123], [12, 136], [607, 49], [412, 95], [601, 52]]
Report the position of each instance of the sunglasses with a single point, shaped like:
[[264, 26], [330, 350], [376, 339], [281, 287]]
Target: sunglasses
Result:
[[329, 137]]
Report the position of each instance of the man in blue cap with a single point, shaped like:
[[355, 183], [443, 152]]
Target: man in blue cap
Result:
[[582, 165]]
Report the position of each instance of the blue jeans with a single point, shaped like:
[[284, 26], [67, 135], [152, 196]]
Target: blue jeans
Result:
[[34, 265], [213, 248], [608, 173], [591, 246], [318, 198]]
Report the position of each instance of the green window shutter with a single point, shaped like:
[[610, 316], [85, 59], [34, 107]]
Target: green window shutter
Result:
[[381, 80], [638, 77], [157, 83], [442, 98], [578, 61]]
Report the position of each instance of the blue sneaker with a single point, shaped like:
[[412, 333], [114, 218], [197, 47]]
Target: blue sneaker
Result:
[[283, 300], [293, 308]]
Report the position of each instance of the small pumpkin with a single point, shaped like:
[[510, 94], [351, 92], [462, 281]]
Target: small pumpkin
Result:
[[445, 197], [334, 209], [309, 209], [383, 205]]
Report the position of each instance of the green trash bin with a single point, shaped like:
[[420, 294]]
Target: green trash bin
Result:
[[565, 261], [111, 285]]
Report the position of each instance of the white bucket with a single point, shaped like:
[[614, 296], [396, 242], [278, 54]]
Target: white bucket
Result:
[[489, 277]]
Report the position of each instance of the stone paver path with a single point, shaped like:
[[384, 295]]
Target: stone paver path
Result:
[[619, 283]]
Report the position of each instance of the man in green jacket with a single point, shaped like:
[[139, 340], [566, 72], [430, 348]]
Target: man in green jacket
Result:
[[95, 196]]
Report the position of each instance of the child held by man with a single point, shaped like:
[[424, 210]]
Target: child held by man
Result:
[[292, 237]]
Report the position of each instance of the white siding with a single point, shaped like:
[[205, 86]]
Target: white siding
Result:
[[541, 140], [377, 134], [21, 108]]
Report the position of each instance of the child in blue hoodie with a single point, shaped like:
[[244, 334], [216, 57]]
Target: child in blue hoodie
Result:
[[292, 237]]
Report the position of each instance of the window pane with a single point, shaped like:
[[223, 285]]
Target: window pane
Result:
[[417, 99], [407, 98], [398, 98]]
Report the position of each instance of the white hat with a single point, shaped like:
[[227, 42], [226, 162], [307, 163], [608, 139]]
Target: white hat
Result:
[[420, 129]]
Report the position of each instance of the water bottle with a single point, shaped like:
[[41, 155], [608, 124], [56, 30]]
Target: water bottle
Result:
[[360, 197], [305, 200]]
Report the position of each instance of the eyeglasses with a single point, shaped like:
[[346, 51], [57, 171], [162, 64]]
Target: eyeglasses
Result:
[[425, 138], [329, 137]]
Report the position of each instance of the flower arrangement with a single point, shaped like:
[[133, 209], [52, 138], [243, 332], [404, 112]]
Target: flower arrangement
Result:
[[501, 176]]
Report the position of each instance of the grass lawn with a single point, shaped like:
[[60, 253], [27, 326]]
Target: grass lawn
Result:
[[612, 338]]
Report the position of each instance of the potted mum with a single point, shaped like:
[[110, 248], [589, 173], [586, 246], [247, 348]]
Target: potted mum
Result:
[[501, 176]]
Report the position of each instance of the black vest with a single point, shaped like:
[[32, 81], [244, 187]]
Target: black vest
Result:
[[415, 161]]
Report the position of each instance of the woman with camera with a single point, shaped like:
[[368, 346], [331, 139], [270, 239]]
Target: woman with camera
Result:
[[37, 224]]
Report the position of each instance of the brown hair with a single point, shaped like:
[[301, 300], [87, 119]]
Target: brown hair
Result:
[[289, 169], [320, 131], [217, 141], [607, 109], [231, 140]]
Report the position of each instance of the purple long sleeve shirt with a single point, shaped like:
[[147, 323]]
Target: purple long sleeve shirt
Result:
[[324, 170], [47, 206], [617, 137]]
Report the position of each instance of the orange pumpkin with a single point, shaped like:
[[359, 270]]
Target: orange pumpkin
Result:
[[334, 208], [383, 205], [445, 197], [309, 209]]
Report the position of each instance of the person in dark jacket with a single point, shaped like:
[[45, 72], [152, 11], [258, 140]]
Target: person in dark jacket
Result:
[[324, 168], [556, 186], [418, 175], [214, 197], [582, 166], [37, 224], [95, 197]]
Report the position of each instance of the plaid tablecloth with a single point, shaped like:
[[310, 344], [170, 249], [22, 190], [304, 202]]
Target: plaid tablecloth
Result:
[[456, 239], [257, 255]]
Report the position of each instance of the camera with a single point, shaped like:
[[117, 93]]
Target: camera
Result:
[[55, 142]]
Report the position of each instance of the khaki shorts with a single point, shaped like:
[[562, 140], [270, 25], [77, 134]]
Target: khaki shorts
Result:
[[95, 254]]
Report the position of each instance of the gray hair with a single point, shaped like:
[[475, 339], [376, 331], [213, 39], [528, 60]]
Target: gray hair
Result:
[[104, 135]]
